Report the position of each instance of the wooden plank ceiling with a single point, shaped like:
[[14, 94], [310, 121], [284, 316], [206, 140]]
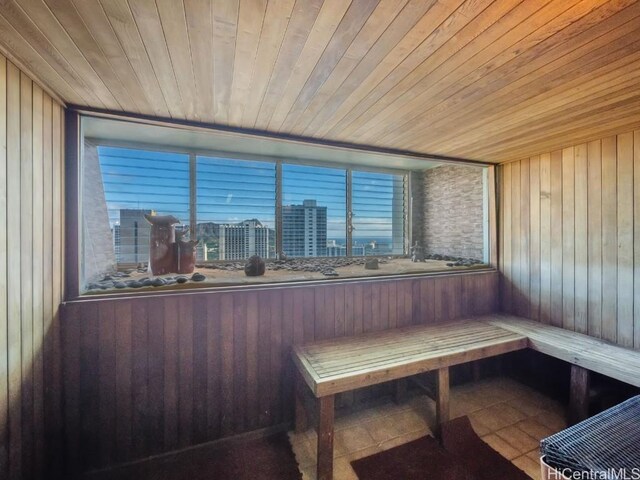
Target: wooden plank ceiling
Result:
[[477, 79]]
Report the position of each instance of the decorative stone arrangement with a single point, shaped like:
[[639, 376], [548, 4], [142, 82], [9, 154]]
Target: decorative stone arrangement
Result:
[[120, 280], [324, 266]]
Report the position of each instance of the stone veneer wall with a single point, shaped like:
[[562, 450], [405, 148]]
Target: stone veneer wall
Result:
[[452, 217], [417, 210], [99, 256]]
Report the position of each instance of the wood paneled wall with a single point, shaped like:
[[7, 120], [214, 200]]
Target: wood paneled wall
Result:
[[151, 374], [570, 236], [31, 244]]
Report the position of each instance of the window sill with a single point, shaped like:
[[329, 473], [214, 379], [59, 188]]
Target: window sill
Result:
[[214, 283]]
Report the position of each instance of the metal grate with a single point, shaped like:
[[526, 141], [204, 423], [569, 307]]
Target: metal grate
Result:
[[603, 444]]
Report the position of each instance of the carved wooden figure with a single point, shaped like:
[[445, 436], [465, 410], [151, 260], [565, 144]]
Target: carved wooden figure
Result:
[[161, 243]]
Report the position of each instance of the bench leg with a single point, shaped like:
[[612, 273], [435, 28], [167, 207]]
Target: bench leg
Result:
[[578, 394], [475, 370], [325, 438], [442, 396], [301, 419], [401, 390]]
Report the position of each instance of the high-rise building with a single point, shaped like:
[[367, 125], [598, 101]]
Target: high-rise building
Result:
[[240, 241], [304, 230], [131, 240], [116, 241]]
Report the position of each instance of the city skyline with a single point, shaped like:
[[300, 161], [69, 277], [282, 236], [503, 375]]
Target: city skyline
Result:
[[241, 240]]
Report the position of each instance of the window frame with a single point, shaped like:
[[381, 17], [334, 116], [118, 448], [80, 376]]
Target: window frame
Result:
[[278, 163], [73, 135]]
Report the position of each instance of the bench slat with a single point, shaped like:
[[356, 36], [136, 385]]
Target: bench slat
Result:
[[576, 348], [345, 364]]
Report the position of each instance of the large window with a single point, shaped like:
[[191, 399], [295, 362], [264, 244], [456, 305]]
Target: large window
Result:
[[212, 208], [229, 206]]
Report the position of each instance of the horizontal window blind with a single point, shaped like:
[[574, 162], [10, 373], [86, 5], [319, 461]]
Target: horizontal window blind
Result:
[[137, 182], [313, 211], [378, 208], [235, 208]]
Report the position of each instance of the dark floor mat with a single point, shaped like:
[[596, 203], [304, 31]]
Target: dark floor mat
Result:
[[461, 441], [422, 459], [462, 456]]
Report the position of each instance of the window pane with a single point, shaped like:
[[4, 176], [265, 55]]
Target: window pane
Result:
[[378, 213], [313, 211], [236, 205], [137, 182]]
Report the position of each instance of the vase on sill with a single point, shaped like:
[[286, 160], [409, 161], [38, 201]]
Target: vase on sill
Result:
[[185, 255]]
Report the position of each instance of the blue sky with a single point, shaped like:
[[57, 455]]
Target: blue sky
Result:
[[229, 191]]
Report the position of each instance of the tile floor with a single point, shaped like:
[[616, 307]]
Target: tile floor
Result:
[[509, 416]]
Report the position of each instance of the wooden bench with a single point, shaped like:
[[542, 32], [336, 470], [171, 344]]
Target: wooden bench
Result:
[[345, 364], [584, 353]]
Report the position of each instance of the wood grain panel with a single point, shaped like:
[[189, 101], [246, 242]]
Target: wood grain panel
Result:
[[4, 319], [473, 79], [30, 279], [545, 238], [625, 239], [636, 238], [581, 234], [594, 209], [568, 237], [165, 372], [588, 226]]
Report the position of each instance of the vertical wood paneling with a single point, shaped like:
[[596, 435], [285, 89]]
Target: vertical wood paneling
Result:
[[200, 327], [37, 293], [213, 368], [625, 239], [545, 238], [4, 367], [594, 206], [155, 362], [636, 238], [194, 367], [140, 374], [107, 382], [556, 238], [505, 209], [124, 417], [581, 237], [26, 266], [253, 393], [89, 356], [568, 237], [30, 278], [185, 374], [609, 239], [589, 228], [516, 238], [525, 238], [13, 271], [534, 238]]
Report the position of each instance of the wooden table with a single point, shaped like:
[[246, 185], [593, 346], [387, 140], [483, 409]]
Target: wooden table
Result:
[[341, 365]]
